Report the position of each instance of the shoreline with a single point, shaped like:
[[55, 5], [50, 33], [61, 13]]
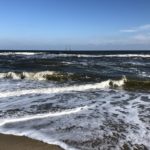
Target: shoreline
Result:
[[11, 142]]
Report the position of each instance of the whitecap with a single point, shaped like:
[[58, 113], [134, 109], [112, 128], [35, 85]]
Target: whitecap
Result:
[[76, 88]]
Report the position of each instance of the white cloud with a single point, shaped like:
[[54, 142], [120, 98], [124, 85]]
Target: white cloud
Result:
[[141, 38], [128, 30], [145, 27], [138, 35], [137, 29]]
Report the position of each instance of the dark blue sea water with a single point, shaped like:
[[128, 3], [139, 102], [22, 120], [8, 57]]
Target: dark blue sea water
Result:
[[78, 100]]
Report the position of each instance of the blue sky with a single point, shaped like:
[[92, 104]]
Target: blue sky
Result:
[[75, 24]]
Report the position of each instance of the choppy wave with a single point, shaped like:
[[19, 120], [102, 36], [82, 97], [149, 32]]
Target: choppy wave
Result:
[[75, 55], [97, 56], [94, 107], [144, 74]]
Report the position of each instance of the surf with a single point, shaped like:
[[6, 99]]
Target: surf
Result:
[[41, 116], [75, 88]]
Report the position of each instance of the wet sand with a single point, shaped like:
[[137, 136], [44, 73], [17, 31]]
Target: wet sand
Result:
[[10, 142]]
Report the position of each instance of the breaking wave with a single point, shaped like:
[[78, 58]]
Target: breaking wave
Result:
[[57, 76], [49, 76], [124, 82], [45, 75], [18, 53], [76, 88]]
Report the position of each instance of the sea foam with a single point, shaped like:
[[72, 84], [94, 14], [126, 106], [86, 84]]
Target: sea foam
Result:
[[103, 85]]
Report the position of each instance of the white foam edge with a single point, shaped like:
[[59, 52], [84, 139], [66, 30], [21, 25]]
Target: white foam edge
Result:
[[18, 53], [77, 55], [38, 136], [100, 55], [55, 90], [45, 115]]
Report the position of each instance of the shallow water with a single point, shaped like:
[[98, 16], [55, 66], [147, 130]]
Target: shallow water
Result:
[[77, 101]]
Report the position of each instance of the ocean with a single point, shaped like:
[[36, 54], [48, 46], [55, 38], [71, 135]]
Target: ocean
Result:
[[77, 100]]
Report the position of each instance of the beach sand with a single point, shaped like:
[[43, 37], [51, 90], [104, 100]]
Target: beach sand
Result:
[[10, 142]]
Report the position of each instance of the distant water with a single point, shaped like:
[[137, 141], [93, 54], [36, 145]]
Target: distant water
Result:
[[84, 101]]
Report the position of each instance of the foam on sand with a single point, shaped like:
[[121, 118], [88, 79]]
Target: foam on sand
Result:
[[38, 136], [41, 116]]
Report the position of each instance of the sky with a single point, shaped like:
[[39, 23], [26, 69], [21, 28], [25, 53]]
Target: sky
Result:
[[75, 24]]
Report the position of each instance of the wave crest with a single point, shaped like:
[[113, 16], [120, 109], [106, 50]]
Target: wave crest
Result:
[[45, 75], [75, 88], [124, 82], [56, 76]]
